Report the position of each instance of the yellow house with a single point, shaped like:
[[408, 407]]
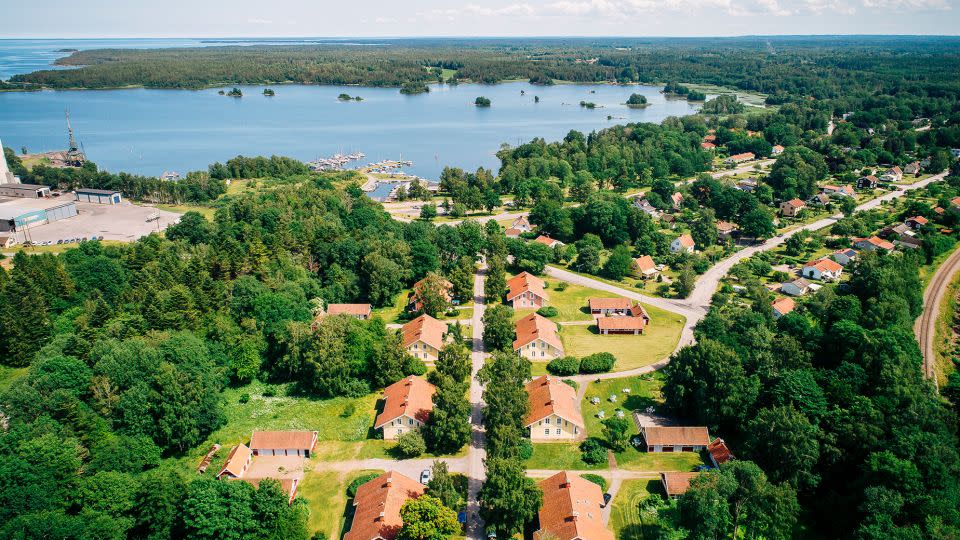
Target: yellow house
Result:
[[423, 337], [537, 338], [554, 414], [407, 404]]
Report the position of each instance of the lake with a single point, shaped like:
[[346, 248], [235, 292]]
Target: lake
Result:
[[150, 131]]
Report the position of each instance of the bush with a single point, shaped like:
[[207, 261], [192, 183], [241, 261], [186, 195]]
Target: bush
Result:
[[562, 286], [348, 410], [596, 479], [548, 311], [410, 445], [597, 363], [593, 451], [359, 481], [567, 365], [526, 449], [244, 398], [269, 391]]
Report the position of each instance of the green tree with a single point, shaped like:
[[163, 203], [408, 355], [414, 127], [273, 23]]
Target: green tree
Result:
[[426, 518], [410, 445], [498, 330], [617, 433], [508, 499], [443, 487], [454, 362], [786, 445], [619, 264], [448, 428]]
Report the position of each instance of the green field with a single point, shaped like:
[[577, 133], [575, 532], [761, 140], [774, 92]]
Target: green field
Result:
[[326, 494], [8, 375], [657, 342], [635, 460], [571, 304], [625, 519], [644, 392], [557, 456]]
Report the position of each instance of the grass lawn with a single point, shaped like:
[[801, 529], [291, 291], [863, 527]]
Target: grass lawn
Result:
[[557, 456], [630, 283], [644, 392], [9, 374], [394, 313], [207, 211], [625, 519], [571, 303], [657, 342], [56, 249], [326, 494], [635, 460], [943, 340]]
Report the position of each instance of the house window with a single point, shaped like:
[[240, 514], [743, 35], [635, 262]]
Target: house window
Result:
[[410, 421], [576, 430], [547, 420], [546, 431], [558, 431]]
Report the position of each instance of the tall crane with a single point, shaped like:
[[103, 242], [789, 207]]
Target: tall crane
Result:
[[75, 156]]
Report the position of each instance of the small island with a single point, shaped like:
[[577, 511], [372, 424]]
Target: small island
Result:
[[482, 102], [588, 105], [680, 90], [235, 92], [637, 101], [414, 88], [348, 97], [269, 92]]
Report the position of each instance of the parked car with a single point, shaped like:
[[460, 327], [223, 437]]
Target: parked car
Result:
[[60, 241], [425, 476], [606, 500]]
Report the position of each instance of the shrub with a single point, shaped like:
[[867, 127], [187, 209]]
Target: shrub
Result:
[[596, 479], [567, 365], [597, 363], [593, 451], [269, 391], [244, 398], [526, 449], [348, 410], [359, 481], [547, 311], [562, 286], [410, 445]]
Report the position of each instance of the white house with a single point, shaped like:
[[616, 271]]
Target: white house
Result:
[[823, 270], [683, 243], [797, 287]]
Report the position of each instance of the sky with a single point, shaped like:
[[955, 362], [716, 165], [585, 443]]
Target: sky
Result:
[[400, 18]]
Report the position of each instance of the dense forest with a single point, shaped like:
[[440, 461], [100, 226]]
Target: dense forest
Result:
[[785, 67]]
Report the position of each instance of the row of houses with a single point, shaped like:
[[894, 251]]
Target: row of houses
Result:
[[571, 508]]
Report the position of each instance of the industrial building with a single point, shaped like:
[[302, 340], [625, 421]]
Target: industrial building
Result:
[[24, 191], [98, 196], [18, 215]]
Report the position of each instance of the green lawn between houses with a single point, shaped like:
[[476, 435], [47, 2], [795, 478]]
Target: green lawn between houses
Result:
[[625, 519], [572, 303], [326, 494], [657, 342]]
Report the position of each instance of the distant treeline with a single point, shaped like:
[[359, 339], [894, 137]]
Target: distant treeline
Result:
[[784, 68]]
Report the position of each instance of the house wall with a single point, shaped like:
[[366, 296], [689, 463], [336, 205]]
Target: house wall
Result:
[[608, 331], [539, 349], [527, 300], [608, 311], [554, 428], [395, 428], [98, 198], [423, 351], [676, 448], [281, 452]]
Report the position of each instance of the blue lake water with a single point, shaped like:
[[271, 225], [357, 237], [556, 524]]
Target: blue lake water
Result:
[[150, 131]]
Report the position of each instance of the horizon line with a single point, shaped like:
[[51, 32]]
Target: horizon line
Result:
[[491, 36]]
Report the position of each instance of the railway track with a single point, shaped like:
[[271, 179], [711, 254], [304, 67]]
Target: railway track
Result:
[[926, 326]]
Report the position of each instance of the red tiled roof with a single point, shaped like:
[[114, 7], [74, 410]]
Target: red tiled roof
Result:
[[426, 329], [918, 219], [645, 263], [525, 282], [777, 148], [621, 323], [236, 461], [571, 509], [824, 265], [534, 326], [719, 451], [348, 309], [686, 240], [876, 241], [418, 287], [784, 305], [677, 483], [283, 440], [378, 504], [609, 303], [796, 203], [411, 396], [746, 156], [549, 395], [676, 436], [707, 145], [545, 240]]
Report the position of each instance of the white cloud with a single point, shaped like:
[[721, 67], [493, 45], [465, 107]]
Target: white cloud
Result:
[[908, 5], [257, 20]]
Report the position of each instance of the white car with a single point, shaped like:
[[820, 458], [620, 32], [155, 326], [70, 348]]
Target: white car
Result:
[[425, 476]]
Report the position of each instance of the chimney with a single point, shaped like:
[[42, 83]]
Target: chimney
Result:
[[574, 515], [381, 516], [389, 481]]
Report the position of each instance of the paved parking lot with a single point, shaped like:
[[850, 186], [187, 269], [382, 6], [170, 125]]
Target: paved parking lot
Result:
[[125, 222]]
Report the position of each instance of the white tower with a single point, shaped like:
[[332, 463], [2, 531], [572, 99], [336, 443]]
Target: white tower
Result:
[[6, 177]]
